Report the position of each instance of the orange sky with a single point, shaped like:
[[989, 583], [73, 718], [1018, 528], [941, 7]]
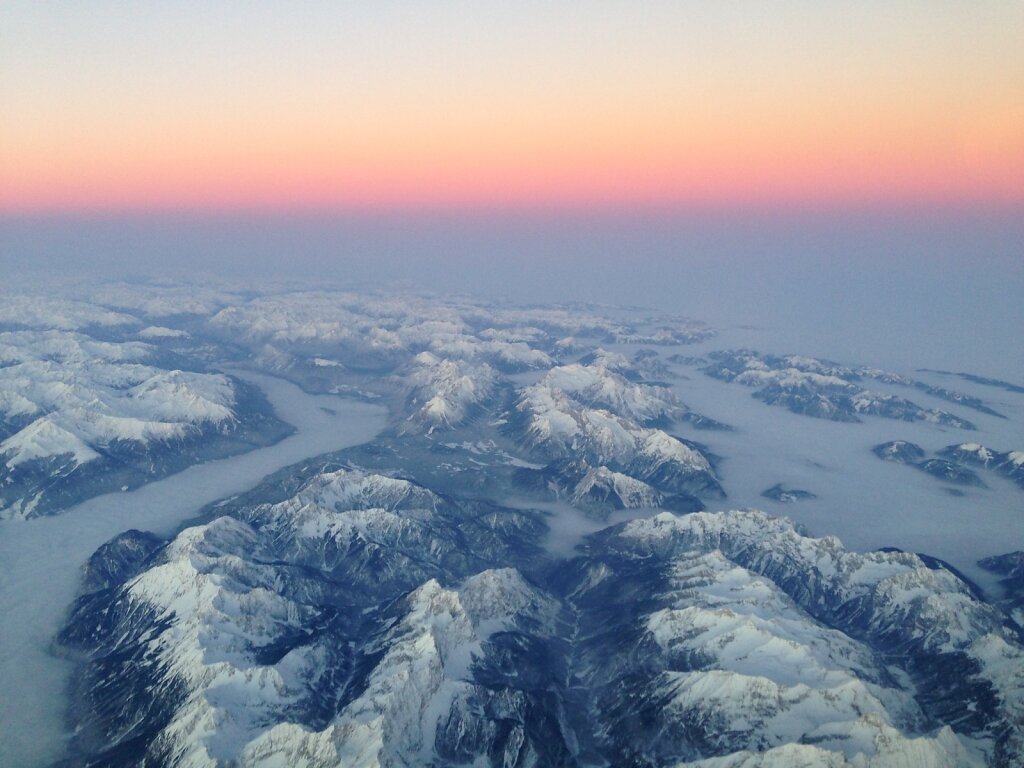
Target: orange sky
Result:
[[303, 105]]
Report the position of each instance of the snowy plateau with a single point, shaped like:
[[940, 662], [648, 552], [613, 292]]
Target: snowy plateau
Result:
[[558, 551]]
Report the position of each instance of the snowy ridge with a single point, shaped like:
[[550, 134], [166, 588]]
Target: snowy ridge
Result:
[[823, 389], [331, 317], [166, 299], [886, 377], [673, 640], [913, 455], [92, 404], [601, 387], [600, 483], [214, 606], [378, 535], [203, 620], [879, 746], [769, 544], [58, 373], [500, 598], [421, 683], [160, 332], [43, 439], [443, 393], [83, 415], [386, 328], [682, 331], [893, 600], [722, 661], [553, 423], [593, 409], [506, 355], [602, 359], [381, 330], [46, 313], [348, 489], [1009, 464], [896, 407], [394, 721], [368, 527], [57, 347], [751, 627], [600, 491]]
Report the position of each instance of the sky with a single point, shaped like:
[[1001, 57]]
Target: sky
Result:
[[454, 105]]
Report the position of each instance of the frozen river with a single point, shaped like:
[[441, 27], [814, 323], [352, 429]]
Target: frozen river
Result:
[[40, 560]]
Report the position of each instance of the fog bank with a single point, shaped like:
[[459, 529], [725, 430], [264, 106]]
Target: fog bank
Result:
[[902, 289]]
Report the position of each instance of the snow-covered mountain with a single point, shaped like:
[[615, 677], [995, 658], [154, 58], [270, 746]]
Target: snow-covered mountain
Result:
[[586, 413], [600, 491], [731, 632], [81, 416], [444, 393], [315, 631], [954, 462], [680, 331], [24, 311], [259, 639], [913, 455], [403, 602], [95, 399], [1009, 464], [597, 385], [823, 389], [379, 330]]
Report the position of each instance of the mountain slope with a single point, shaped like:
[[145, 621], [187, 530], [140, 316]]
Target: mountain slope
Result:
[[350, 625]]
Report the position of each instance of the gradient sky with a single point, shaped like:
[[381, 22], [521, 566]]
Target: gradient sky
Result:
[[108, 106]]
